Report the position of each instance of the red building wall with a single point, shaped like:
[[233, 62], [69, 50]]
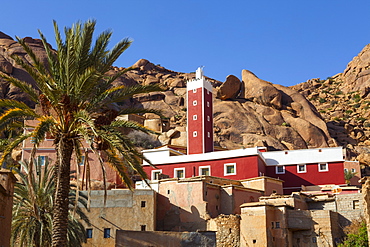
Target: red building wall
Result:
[[312, 176], [246, 167], [195, 143], [208, 121]]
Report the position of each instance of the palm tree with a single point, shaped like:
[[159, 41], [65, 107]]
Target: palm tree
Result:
[[33, 209], [78, 103], [348, 175]]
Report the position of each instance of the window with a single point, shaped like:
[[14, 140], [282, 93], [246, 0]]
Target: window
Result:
[[230, 169], [280, 169], [208, 135], [195, 134], [356, 204], [179, 172], [195, 117], [106, 232], [89, 233], [345, 170], [194, 90], [143, 204], [207, 91], [42, 160], [143, 228], [301, 168], [208, 118], [353, 170], [323, 167], [207, 103], [155, 174], [195, 103], [205, 171], [277, 225], [82, 161]]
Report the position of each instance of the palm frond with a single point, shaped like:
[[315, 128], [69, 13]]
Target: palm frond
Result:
[[44, 125], [24, 86]]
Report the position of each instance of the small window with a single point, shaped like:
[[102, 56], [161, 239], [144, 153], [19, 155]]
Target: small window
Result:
[[301, 168], [205, 170], [195, 103], [207, 103], [353, 170], [106, 232], [195, 117], [143, 204], [277, 225], [179, 172], [143, 228], [230, 169], [356, 204], [280, 169], [194, 90], [89, 233], [323, 167], [314, 240], [208, 135], [207, 91], [156, 174], [254, 241], [208, 118], [345, 170], [42, 160], [82, 162], [195, 134]]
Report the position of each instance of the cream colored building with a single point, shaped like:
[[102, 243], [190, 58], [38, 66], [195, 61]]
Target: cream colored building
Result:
[[123, 210]]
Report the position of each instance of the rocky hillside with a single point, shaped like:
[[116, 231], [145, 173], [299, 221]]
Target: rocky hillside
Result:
[[246, 113], [343, 101]]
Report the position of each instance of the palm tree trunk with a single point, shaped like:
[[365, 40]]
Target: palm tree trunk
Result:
[[64, 150]]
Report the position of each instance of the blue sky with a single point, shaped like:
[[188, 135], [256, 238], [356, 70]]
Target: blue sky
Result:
[[284, 42]]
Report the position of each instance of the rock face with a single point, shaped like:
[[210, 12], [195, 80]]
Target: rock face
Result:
[[260, 91], [343, 101], [246, 113], [229, 89]]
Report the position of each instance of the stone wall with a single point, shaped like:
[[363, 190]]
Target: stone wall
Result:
[[227, 228], [168, 239], [350, 207]]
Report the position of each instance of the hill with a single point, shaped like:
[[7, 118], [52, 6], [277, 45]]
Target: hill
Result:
[[247, 112]]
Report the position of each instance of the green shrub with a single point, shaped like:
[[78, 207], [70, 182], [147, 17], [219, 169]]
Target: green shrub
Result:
[[349, 111], [356, 236], [322, 100]]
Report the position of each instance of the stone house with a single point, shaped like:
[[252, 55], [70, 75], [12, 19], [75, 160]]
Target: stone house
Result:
[[299, 219], [123, 210]]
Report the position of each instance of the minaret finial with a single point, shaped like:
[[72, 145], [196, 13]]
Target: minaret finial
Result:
[[199, 73]]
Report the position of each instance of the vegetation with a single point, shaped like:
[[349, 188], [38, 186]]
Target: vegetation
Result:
[[78, 104], [356, 235], [33, 209], [348, 175]]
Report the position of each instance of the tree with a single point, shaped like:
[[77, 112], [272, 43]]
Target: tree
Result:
[[33, 209], [356, 235], [348, 175], [78, 103]]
